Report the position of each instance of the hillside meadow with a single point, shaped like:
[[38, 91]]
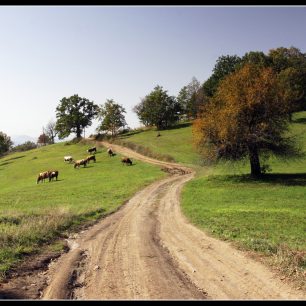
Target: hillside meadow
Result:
[[34, 214], [174, 145], [267, 217]]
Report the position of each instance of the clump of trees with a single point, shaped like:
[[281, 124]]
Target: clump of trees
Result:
[[248, 105], [246, 117], [112, 117], [190, 97], [43, 140], [288, 63], [6, 143], [158, 109], [28, 145], [73, 115]]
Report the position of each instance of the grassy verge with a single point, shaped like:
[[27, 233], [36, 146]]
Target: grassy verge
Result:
[[32, 214], [263, 216]]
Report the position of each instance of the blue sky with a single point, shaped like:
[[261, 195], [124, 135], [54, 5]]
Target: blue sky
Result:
[[123, 52]]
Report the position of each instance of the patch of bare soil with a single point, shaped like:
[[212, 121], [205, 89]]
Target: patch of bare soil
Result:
[[147, 250], [28, 280]]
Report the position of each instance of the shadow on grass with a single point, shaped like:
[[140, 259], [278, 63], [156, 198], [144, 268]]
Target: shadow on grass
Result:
[[174, 127], [178, 126], [5, 163], [286, 179], [17, 157], [126, 135], [299, 120], [8, 161]]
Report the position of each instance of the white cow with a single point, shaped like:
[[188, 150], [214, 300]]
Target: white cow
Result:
[[68, 158]]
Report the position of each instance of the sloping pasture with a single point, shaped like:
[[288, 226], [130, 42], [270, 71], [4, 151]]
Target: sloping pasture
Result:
[[32, 214]]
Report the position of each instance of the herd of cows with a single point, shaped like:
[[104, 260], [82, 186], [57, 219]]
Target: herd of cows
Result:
[[51, 174]]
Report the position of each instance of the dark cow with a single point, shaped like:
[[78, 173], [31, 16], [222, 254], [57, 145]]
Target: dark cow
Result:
[[126, 160], [42, 176], [110, 152], [92, 150], [53, 174], [80, 162], [91, 157]]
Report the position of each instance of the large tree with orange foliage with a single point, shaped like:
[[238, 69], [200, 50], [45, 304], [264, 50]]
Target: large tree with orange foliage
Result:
[[246, 117]]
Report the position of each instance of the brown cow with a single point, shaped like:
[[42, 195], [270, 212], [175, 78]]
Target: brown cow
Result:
[[126, 160], [53, 174], [42, 176], [91, 157], [80, 162]]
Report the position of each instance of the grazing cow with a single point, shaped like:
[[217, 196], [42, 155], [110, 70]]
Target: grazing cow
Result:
[[80, 162], [92, 150], [110, 152], [68, 158], [53, 174], [91, 157], [42, 176], [126, 160]]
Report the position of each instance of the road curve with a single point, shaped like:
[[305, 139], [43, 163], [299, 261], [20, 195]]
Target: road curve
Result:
[[148, 250]]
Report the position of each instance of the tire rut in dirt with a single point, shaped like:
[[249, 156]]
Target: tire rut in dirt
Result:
[[132, 264]]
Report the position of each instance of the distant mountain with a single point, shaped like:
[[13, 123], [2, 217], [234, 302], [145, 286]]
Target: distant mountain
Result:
[[19, 139]]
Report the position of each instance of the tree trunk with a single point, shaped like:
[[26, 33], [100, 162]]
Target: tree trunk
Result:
[[79, 132], [254, 161]]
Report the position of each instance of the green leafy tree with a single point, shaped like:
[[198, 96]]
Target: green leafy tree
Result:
[[183, 100], [282, 58], [256, 58], [292, 81], [5, 143], [190, 97], [290, 63], [224, 66], [112, 116], [73, 115], [158, 108]]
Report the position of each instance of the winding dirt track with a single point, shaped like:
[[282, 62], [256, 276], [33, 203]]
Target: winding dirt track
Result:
[[147, 250]]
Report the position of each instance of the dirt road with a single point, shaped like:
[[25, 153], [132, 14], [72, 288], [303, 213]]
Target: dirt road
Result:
[[148, 250]]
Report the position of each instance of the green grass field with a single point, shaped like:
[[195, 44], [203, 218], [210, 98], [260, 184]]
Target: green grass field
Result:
[[266, 216], [32, 214]]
